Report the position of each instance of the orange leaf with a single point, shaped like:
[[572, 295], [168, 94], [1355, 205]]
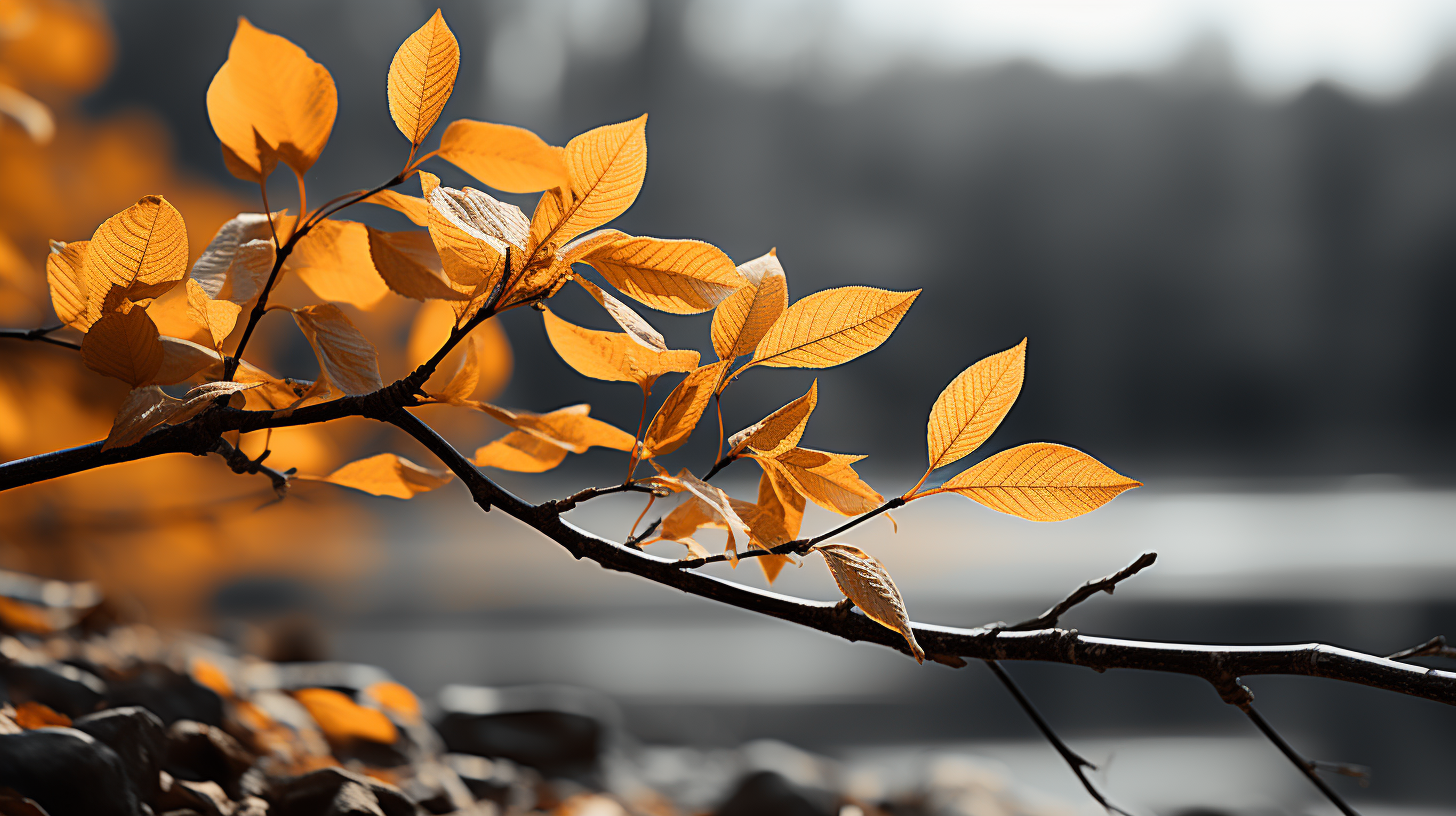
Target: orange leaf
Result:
[[344, 355], [387, 474], [605, 167], [196, 400], [613, 356], [571, 427], [832, 327], [67, 283], [334, 260], [217, 317], [507, 158], [863, 579], [827, 479], [124, 345], [31, 715], [741, 320], [779, 431], [481, 212], [239, 258], [144, 409], [680, 412], [409, 264], [183, 358], [521, 452], [1040, 481], [414, 208], [395, 698], [270, 85], [715, 500], [779, 500], [678, 276], [208, 674], [341, 719], [138, 253], [629, 320], [430, 330], [421, 78], [967, 412]]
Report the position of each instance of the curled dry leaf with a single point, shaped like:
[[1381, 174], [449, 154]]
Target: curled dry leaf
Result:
[[718, 503], [504, 157], [65, 276], [779, 431], [521, 452], [745, 316], [470, 256], [571, 427], [409, 265], [145, 408], [138, 253], [216, 317], [343, 720], [613, 356], [481, 212], [199, 397], [829, 328], [125, 345], [387, 474], [334, 259], [605, 168], [421, 78], [967, 412], [344, 355], [827, 479], [270, 95], [631, 322], [237, 261], [1041, 481], [864, 580], [680, 412], [678, 276]]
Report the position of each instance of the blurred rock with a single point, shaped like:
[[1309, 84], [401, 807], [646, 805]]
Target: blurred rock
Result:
[[336, 792], [170, 695], [199, 752], [138, 738], [766, 793], [49, 765]]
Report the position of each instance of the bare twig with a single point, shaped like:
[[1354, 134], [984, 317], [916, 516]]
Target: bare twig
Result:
[[563, 505], [1305, 766], [40, 335], [1075, 761], [1435, 647], [798, 547], [241, 464], [1049, 618]]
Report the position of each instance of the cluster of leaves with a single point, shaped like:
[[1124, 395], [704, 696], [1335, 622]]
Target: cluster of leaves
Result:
[[270, 104]]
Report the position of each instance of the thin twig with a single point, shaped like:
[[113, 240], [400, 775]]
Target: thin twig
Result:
[[1049, 618], [1074, 760], [1435, 647], [1305, 766], [559, 506], [798, 547], [241, 464], [41, 335]]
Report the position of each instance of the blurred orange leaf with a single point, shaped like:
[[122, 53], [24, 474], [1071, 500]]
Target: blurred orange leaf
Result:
[[341, 719], [387, 474], [522, 452]]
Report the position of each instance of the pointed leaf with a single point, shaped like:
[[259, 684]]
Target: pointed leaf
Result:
[[138, 253], [471, 256], [779, 431], [1041, 481], [827, 479], [65, 276], [198, 398], [334, 260], [344, 355], [745, 316], [144, 409], [387, 474], [504, 157], [414, 208], [421, 78], [777, 497], [521, 452], [237, 261], [631, 322], [967, 412], [613, 356], [125, 345], [216, 317], [571, 427], [409, 265], [678, 276], [833, 327], [716, 501], [483, 213], [606, 167], [864, 580], [680, 412]]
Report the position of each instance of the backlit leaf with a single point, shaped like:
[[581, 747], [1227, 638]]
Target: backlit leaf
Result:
[[138, 253], [462, 384], [125, 345], [65, 276], [344, 355], [779, 431], [832, 327], [1041, 481], [430, 330], [183, 358], [680, 412], [613, 356], [521, 452], [571, 427], [605, 167], [678, 276], [217, 317], [745, 316], [409, 265], [630, 321], [864, 580], [414, 208], [504, 157], [342, 720], [827, 479], [482, 212], [198, 398], [421, 78], [270, 85], [969, 409], [716, 501], [388, 474], [334, 260], [470, 255], [144, 409], [239, 258]]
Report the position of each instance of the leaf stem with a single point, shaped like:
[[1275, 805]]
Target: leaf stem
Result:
[[718, 405], [910, 494], [637, 440]]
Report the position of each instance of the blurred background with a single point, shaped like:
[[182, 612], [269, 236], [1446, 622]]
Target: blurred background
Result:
[[1226, 228]]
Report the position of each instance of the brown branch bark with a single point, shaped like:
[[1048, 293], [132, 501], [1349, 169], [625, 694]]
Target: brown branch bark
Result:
[[41, 335]]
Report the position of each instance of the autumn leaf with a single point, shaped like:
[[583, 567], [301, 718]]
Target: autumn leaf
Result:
[[125, 345], [387, 474], [605, 168], [196, 400], [631, 322], [572, 427], [183, 358], [827, 479], [613, 356], [421, 78], [484, 213], [409, 265], [779, 431], [677, 276], [395, 698], [521, 452], [31, 715], [145, 408], [829, 328], [270, 85], [504, 157], [779, 499], [138, 253], [462, 384], [431, 329], [334, 259], [1040, 481], [414, 208], [470, 256], [65, 276], [744, 317], [680, 412], [344, 355], [237, 261], [967, 412], [864, 580], [217, 317], [716, 501], [342, 720]]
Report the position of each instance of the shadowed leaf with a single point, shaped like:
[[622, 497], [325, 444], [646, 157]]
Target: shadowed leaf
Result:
[[504, 157], [521, 452], [344, 355], [863, 579], [680, 412], [334, 260], [613, 356], [387, 474], [678, 276], [124, 345]]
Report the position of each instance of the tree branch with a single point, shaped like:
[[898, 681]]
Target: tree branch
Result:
[[1049, 618], [1435, 647], [1305, 766], [560, 506], [241, 464], [40, 335]]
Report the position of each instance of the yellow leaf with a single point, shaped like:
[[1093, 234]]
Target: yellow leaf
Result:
[[342, 720], [630, 321], [827, 479], [741, 320], [521, 452], [421, 78], [571, 427], [685, 519], [863, 579], [239, 258], [507, 158], [387, 474], [217, 317], [613, 356], [680, 412], [138, 253], [334, 260], [678, 276], [64, 274], [414, 208], [270, 85], [969, 409], [779, 431], [125, 345], [471, 257], [605, 167], [832, 327], [1040, 481], [409, 264], [462, 384], [145, 408], [779, 500], [344, 355]]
